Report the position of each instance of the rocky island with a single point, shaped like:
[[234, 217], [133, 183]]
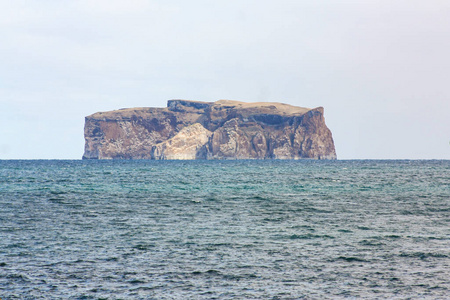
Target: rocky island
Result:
[[223, 129]]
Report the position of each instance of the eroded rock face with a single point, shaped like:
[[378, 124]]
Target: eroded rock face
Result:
[[209, 130], [189, 143]]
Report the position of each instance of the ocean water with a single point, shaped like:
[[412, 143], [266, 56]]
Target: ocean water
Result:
[[224, 229]]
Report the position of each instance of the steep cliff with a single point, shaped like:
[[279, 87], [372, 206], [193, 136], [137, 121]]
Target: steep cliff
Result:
[[209, 130]]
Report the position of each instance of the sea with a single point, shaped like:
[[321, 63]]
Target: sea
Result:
[[243, 229]]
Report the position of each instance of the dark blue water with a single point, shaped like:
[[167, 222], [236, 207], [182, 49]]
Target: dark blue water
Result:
[[224, 229]]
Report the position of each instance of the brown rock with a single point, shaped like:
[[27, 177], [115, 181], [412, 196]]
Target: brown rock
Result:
[[209, 130]]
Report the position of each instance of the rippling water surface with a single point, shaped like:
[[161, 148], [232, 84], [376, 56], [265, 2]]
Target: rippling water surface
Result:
[[224, 229]]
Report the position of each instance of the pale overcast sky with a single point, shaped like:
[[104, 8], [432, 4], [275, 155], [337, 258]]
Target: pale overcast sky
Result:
[[380, 68]]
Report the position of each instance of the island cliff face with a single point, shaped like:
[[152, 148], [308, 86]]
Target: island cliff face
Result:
[[209, 130]]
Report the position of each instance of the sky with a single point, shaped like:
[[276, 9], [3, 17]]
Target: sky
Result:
[[380, 68]]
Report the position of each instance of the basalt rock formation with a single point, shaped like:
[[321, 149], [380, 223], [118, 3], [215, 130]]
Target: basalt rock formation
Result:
[[209, 130]]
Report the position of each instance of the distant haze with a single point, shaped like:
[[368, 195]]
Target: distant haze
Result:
[[380, 68]]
